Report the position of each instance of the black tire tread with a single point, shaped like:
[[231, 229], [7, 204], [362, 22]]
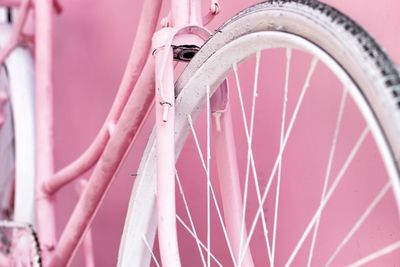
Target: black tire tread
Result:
[[372, 50]]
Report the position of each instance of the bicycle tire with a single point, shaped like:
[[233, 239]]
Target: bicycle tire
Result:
[[19, 131], [316, 23]]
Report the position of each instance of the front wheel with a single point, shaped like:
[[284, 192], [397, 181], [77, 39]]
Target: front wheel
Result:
[[315, 107]]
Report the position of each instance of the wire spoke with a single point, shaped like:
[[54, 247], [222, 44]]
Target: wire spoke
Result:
[[190, 218], [198, 240], [377, 254], [208, 180], [359, 222], [279, 156], [246, 183], [336, 182], [278, 183], [196, 140], [328, 170], [151, 251], [250, 158], [212, 191]]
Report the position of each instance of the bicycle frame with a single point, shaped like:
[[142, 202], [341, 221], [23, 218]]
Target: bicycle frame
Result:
[[126, 116], [123, 122], [130, 108]]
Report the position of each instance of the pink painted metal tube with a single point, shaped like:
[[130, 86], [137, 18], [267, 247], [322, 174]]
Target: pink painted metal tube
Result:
[[88, 249], [228, 173], [180, 12], [137, 58], [87, 240], [44, 123], [124, 134], [184, 12], [195, 12], [79, 166], [165, 129], [10, 3]]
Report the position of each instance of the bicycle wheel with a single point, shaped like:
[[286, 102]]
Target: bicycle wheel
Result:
[[316, 129], [17, 134]]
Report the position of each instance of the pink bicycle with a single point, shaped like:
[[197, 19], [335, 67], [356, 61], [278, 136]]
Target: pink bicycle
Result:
[[291, 110]]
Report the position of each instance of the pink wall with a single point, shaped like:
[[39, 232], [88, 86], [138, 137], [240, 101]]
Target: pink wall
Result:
[[92, 41]]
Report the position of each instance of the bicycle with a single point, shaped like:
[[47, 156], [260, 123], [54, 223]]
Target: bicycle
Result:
[[279, 29]]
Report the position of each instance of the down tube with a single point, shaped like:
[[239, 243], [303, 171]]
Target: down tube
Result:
[[121, 139]]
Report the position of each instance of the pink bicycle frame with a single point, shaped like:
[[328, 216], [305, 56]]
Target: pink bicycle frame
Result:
[[127, 114], [130, 108], [138, 102]]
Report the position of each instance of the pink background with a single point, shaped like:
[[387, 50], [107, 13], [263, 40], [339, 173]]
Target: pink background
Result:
[[92, 41]]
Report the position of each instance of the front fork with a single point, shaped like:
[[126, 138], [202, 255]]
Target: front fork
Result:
[[225, 155], [165, 135], [165, 124]]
